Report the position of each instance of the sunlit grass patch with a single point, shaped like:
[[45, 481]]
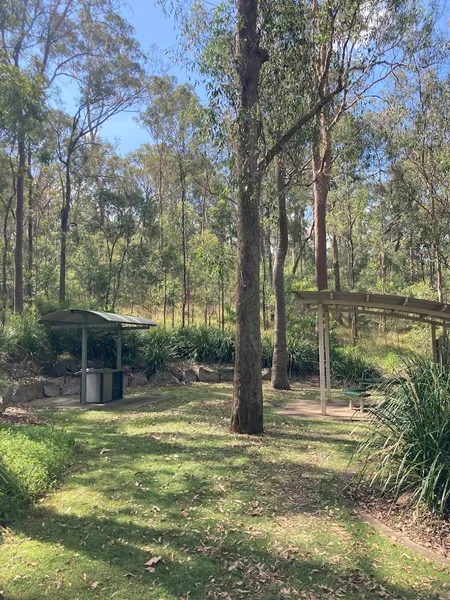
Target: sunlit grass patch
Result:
[[164, 503]]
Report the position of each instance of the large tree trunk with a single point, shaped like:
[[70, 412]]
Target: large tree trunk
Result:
[[64, 229], [280, 379], [321, 165], [18, 257], [247, 412]]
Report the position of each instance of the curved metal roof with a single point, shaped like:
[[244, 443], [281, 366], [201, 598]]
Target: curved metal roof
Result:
[[402, 307], [76, 317]]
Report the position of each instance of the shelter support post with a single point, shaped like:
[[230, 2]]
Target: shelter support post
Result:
[[323, 392], [84, 336], [433, 342], [119, 348], [327, 354]]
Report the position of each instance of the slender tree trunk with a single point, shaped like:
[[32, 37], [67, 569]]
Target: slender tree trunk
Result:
[[321, 165], [222, 295], [280, 379], [247, 412], [64, 229], [30, 231], [183, 242], [4, 261], [438, 273], [336, 273], [264, 281], [165, 297], [18, 256]]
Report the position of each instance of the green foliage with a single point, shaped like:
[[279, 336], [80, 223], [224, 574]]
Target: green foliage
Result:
[[408, 449], [32, 460], [156, 350], [204, 344], [349, 365], [23, 336]]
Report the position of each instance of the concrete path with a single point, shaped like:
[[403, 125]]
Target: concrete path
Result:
[[63, 402]]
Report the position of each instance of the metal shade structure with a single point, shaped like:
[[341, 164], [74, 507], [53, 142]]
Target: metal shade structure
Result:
[[79, 318], [436, 314]]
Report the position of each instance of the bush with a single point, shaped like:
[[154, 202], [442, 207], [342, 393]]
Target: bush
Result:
[[409, 446], [156, 350], [32, 459], [24, 337], [349, 365], [204, 344]]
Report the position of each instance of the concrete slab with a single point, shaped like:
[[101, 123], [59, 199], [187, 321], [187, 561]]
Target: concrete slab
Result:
[[65, 402], [307, 408]]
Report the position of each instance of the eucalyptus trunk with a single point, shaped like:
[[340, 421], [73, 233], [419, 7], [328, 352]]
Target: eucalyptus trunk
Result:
[[30, 232], [247, 412], [321, 165], [18, 255], [336, 272], [280, 379], [5, 248], [64, 229]]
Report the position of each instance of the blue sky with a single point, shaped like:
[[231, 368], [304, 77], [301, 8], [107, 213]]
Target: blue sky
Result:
[[152, 29]]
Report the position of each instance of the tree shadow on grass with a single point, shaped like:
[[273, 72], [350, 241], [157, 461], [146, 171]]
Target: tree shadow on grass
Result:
[[214, 559], [222, 511]]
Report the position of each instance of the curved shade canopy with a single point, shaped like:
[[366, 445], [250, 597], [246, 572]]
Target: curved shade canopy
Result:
[[94, 319], [401, 307]]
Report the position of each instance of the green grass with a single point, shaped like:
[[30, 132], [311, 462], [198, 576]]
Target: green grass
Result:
[[32, 459], [230, 516]]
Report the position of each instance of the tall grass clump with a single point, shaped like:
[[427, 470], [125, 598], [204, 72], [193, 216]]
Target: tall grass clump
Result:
[[32, 460], [349, 364], [23, 337], [157, 349], [204, 344], [408, 449]]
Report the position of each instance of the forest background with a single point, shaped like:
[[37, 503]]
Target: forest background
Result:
[[352, 138]]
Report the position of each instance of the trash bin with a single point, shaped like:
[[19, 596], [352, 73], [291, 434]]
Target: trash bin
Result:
[[103, 385]]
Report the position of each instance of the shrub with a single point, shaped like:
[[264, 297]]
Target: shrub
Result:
[[409, 446], [204, 344], [349, 365], [303, 356], [156, 351], [24, 337], [32, 459]]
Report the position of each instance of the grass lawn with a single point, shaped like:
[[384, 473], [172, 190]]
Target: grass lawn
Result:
[[222, 516]]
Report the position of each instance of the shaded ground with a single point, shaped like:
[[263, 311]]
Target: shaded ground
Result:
[[164, 504], [128, 402], [304, 402]]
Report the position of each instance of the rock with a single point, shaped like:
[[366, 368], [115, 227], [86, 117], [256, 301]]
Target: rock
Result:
[[139, 379], [178, 373], [156, 378], [226, 373], [163, 378], [71, 386], [28, 391], [189, 376], [169, 378], [266, 374], [207, 375], [65, 367], [53, 387]]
